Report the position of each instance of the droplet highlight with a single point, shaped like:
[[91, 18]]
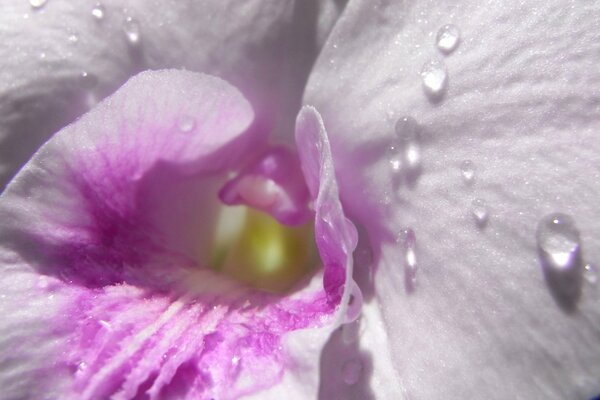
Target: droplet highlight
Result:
[[590, 274], [352, 371], [434, 76], [132, 31], [186, 124], [37, 4], [559, 250], [404, 153], [408, 242], [447, 38], [98, 12], [480, 212], [467, 170]]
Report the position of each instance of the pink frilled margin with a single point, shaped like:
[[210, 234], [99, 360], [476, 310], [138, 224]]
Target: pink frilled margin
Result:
[[102, 293]]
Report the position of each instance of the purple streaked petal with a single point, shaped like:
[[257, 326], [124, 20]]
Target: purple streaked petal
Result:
[[274, 184], [98, 223]]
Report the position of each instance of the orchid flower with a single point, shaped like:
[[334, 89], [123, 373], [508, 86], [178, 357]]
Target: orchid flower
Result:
[[131, 268]]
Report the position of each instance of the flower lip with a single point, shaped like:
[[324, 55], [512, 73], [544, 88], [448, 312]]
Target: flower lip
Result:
[[99, 203]]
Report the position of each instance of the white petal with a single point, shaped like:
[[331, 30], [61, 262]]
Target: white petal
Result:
[[523, 104]]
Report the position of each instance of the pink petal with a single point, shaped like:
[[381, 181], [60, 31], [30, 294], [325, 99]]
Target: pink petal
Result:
[[99, 227]]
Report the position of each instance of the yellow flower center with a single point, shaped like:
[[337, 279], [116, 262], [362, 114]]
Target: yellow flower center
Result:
[[252, 247]]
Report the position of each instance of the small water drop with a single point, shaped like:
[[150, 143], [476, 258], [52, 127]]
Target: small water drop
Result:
[[408, 241], [448, 38], [559, 249], [73, 38], [42, 55], [351, 371], [88, 81], [37, 4], [590, 274], [435, 79], [404, 154], [132, 31], [467, 170], [98, 11], [480, 212], [186, 124]]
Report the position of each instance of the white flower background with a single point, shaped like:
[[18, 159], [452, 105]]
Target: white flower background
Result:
[[523, 103]]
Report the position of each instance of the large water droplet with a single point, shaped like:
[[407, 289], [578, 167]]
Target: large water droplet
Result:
[[467, 170], [559, 249], [186, 124], [132, 31], [351, 371], [37, 4], [480, 212], [447, 38], [98, 12], [435, 79]]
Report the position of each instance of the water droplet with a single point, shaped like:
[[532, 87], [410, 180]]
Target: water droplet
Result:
[[435, 79], [448, 38], [98, 11], [186, 124], [132, 31], [105, 324], [480, 212], [73, 38], [559, 249], [88, 81], [404, 154], [558, 238], [42, 55], [37, 4], [408, 240], [81, 366], [355, 302], [467, 170], [590, 274], [351, 371]]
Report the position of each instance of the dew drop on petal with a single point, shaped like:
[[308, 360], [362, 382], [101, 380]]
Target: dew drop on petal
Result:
[[590, 274], [132, 31], [447, 38], [88, 81], [558, 239], [467, 170], [407, 130], [37, 4], [408, 240], [186, 124], [435, 79], [351, 331], [480, 212], [404, 153], [351, 371], [559, 249], [73, 38], [98, 12]]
